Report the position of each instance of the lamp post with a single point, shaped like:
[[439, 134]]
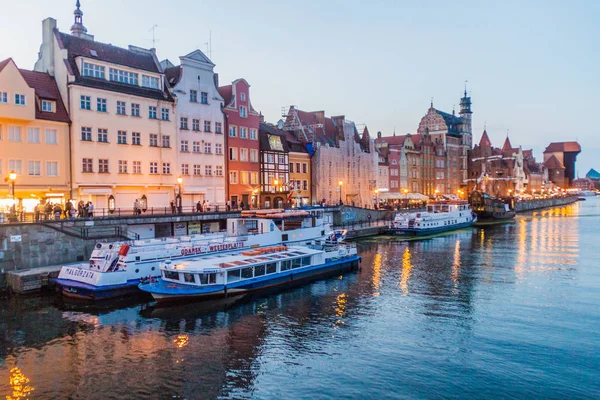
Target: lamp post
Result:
[[179, 182], [340, 183], [11, 178], [437, 192], [376, 197]]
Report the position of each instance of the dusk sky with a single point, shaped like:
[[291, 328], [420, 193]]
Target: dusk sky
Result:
[[532, 66]]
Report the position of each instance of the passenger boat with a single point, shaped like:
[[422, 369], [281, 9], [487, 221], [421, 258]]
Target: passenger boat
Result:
[[440, 216], [115, 269], [213, 277], [491, 210]]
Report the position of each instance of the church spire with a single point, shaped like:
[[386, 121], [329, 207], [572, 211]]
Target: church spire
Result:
[[78, 29]]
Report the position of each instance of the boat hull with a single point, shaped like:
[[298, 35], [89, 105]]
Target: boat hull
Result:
[[429, 231], [84, 291], [164, 292]]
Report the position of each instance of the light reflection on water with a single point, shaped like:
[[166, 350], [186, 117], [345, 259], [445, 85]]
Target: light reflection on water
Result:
[[506, 311]]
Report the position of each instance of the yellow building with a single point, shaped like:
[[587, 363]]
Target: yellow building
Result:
[[34, 139], [300, 184]]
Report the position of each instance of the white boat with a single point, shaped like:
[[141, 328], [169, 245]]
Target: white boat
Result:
[[115, 269], [440, 217], [212, 277]]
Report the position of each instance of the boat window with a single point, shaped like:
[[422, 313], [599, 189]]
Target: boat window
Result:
[[190, 278], [203, 279], [247, 273], [305, 261], [296, 263], [284, 237], [212, 278], [233, 275], [271, 268], [171, 275], [285, 265], [259, 270]]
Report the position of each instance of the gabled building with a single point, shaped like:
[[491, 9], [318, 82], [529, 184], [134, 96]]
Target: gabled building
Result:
[[123, 136], [560, 158], [34, 139], [200, 140], [300, 172], [275, 166], [241, 124]]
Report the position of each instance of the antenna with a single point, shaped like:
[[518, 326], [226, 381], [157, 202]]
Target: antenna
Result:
[[209, 45], [154, 40], [466, 88]]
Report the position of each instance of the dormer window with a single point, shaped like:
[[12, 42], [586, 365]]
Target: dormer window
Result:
[[118, 75], [93, 70], [149, 82], [243, 96], [47, 106], [20, 99]]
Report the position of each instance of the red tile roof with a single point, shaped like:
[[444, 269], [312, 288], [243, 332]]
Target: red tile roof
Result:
[[226, 93], [4, 63], [173, 75], [566, 147], [45, 88], [507, 145], [392, 140], [553, 163], [485, 140]]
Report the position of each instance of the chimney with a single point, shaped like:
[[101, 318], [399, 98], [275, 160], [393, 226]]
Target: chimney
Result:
[[45, 62], [378, 134], [261, 118]]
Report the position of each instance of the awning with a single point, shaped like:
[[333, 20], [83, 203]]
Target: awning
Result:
[[402, 196]]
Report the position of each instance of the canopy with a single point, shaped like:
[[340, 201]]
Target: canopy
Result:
[[403, 196]]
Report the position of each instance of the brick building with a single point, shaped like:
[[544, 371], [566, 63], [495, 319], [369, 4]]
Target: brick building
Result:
[[559, 159]]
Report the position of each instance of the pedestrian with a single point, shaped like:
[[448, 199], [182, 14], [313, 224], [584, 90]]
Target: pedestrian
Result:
[[135, 207], [173, 208], [369, 218], [199, 207], [57, 211], [68, 208], [241, 205], [47, 210], [90, 211], [36, 212], [228, 205], [72, 212]]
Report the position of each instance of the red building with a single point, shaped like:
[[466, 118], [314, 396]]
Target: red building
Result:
[[241, 127]]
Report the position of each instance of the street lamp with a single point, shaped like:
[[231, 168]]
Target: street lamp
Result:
[[436, 193], [179, 182], [340, 183], [11, 178], [376, 196]]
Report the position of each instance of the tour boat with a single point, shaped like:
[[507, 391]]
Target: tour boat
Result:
[[115, 269], [491, 210], [440, 217], [213, 277]]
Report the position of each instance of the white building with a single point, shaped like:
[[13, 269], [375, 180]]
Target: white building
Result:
[[200, 139], [122, 133]]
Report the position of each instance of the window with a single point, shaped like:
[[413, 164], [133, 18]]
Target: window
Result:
[[20, 99], [233, 275], [33, 135], [86, 165], [244, 177], [15, 165], [259, 270], [136, 138], [135, 110], [219, 170], [85, 103], [121, 107], [122, 166], [95, 71], [207, 126], [297, 168], [118, 75], [153, 140], [3, 97], [103, 166], [86, 133], [243, 154], [46, 106], [185, 169], [197, 171], [196, 147], [153, 167], [233, 177], [291, 167], [51, 168], [166, 168], [101, 104], [150, 81], [243, 132], [137, 167], [183, 123], [152, 112], [208, 170], [184, 146], [305, 185], [254, 178], [218, 127], [102, 135], [34, 168], [218, 148], [51, 136], [164, 114], [253, 155], [166, 141], [204, 97], [207, 148], [194, 96], [232, 154], [304, 168], [243, 112], [232, 132], [286, 265], [243, 96], [121, 137], [282, 159], [253, 134], [195, 124]]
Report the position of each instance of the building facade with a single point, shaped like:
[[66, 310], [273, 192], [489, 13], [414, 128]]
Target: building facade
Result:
[[34, 139], [274, 167], [200, 139], [560, 160], [243, 166], [123, 135], [300, 172]]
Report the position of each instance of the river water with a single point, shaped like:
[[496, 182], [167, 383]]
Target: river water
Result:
[[503, 312]]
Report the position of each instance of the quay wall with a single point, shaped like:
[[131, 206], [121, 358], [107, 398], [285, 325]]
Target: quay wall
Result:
[[529, 205]]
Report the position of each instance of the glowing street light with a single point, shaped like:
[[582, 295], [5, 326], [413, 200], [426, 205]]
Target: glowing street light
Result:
[[179, 182], [340, 183]]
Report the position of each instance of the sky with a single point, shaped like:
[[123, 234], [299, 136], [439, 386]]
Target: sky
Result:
[[532, 66]]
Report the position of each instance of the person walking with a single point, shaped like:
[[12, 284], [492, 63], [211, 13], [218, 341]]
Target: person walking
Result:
[[36, 212], [199, 207], [90, 209], [173, 208], [57, 211], [135, 207], [241, 205]]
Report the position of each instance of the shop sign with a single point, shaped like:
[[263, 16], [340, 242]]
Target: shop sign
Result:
[[15, 238]]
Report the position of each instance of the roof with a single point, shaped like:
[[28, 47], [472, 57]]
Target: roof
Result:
[[553, 163], [593, 174], [507, 145], [485, 140], [173, 75], [4, 63], [226, 93], [392, 140], [294, 144], [45, 88], [567, 147], [451, 120], [264, 131]]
